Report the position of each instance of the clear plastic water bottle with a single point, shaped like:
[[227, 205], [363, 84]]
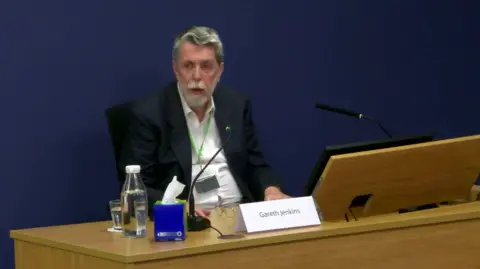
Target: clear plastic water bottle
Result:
[[134, 203]]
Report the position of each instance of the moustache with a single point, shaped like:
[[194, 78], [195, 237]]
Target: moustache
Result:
[[196, 85]]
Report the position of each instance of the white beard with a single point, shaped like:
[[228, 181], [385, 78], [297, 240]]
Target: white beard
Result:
[[195, 101], [198, 101]]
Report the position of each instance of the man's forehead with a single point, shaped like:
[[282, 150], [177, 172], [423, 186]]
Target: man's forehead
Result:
[[196, 59], [193, 52]]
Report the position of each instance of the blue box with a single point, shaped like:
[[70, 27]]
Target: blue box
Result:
[[170, 221]]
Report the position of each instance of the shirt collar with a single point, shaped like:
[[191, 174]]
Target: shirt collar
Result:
[[186, 108]]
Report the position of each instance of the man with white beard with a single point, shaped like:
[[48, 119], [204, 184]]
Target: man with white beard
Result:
[[177, 130]]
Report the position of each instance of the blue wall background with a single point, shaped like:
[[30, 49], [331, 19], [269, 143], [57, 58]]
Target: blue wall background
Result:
[[413, 64]]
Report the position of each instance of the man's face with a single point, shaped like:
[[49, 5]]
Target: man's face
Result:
[[197, 72]]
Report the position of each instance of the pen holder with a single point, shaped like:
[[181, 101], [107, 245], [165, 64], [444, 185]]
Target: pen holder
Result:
[[170, 221]]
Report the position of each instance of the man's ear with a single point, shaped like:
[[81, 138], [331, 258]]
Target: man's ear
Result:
[[220, 72], [221, 69], [174, 68]]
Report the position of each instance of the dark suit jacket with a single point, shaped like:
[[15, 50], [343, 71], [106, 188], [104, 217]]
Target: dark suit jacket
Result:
[[158, 140]]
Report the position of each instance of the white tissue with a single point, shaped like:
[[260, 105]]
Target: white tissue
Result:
[[173, 190]]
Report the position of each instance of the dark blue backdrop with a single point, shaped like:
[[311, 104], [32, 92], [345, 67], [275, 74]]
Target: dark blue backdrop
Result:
[[411, 63]]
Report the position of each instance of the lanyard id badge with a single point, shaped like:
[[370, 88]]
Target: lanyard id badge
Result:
[[199, 151], [207, 181]]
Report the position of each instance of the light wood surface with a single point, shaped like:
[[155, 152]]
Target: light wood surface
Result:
[[389, 241], [399, 177], [445, 237]]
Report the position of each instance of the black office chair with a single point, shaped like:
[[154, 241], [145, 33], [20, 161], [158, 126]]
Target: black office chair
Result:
[[118, 120]]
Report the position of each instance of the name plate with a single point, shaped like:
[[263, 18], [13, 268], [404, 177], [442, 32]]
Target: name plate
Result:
[[276, 215]]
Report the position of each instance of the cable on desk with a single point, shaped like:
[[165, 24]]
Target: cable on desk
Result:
[[218, 231], [350, 210]]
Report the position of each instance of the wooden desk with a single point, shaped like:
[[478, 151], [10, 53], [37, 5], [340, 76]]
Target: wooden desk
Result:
[[446, 237]]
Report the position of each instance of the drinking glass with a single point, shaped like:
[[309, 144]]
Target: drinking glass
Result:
[[227, 210], [116, 213]]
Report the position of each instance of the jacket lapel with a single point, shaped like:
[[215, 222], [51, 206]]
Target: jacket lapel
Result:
[[179, 140], [224, 116], [223, 112]]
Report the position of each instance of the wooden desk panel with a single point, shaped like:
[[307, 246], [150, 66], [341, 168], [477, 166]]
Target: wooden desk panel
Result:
[[445, 237], [446, 246], [32, 255]]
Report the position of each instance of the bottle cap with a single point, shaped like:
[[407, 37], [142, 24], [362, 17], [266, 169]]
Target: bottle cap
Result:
[[132, 169]]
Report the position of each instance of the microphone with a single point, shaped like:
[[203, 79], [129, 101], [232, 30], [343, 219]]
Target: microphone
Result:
[[199, 223], [353, 114], [339, 110]]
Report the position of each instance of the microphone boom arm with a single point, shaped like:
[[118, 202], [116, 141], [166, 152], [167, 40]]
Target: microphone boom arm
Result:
[[377, 122], [198, 223], [353, 114]]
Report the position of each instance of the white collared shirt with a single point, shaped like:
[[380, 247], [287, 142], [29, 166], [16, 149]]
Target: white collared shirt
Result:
[[228, 192]]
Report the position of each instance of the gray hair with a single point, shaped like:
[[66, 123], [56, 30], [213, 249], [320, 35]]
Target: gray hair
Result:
[[202, 36]]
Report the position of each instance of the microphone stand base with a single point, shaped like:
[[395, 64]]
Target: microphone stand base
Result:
[[197, 223]]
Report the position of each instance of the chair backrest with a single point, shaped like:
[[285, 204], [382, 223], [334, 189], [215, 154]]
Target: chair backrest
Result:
[[118, 121]]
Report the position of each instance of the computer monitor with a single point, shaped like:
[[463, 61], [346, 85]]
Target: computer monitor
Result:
[[357, 147]]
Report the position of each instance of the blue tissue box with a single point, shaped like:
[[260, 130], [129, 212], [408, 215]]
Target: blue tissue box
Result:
[[170, 221]]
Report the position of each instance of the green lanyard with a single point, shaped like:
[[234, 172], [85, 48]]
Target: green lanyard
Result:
[[205, 132]]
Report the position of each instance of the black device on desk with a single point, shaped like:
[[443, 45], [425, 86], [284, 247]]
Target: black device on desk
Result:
[[330, 151]]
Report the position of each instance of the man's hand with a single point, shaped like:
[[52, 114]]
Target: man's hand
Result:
[[202, 212], [274, 193]]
